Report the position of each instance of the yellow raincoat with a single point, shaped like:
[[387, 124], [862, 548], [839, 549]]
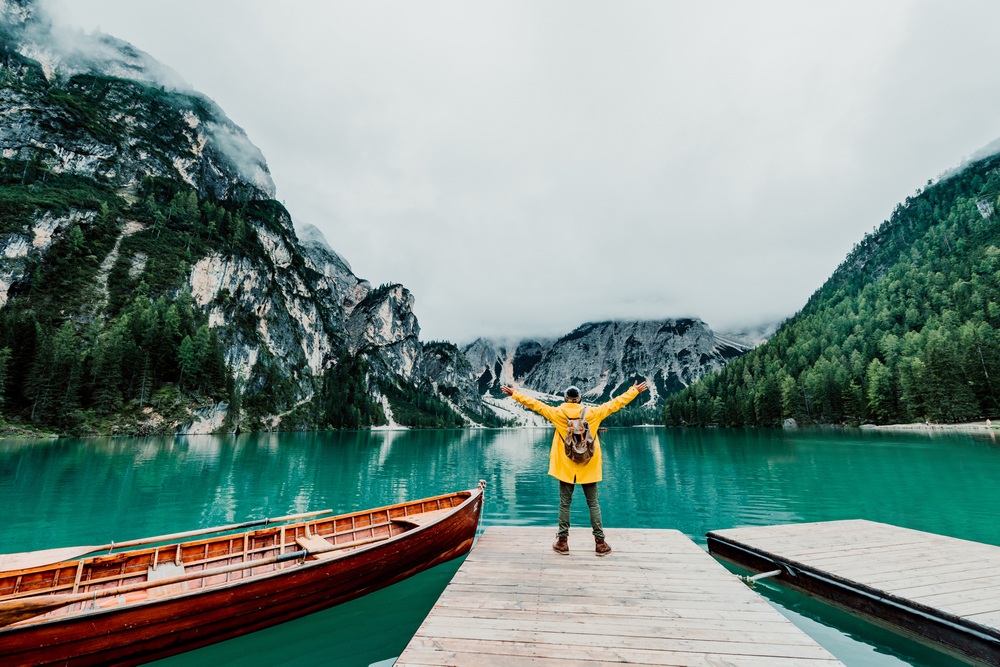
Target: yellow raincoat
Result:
[[561, 466]]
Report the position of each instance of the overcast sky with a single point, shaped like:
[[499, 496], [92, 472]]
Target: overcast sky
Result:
[[525, 167]]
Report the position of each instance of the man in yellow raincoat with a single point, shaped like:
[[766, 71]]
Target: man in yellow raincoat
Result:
[[568, 472]]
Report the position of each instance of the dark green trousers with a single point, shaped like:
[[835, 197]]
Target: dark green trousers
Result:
[[566, 497]]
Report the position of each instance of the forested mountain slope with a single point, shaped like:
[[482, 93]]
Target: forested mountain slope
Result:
[[905, 329], [150, 283]]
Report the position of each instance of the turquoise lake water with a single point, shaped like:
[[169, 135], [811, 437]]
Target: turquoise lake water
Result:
[[69, 492]]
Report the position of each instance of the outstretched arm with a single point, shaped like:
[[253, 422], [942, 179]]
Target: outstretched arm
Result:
[[528, 402], [616, 404]]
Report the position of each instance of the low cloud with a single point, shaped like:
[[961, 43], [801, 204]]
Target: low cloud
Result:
[[524, 167], [65, 50]]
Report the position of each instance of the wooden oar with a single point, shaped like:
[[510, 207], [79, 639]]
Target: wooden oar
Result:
[[12, 611], [33, 559]]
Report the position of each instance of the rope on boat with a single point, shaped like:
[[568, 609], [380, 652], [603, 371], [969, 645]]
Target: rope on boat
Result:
[[750, 581], [482, 512]]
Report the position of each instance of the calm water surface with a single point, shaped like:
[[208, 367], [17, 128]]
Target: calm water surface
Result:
[[68, 492]]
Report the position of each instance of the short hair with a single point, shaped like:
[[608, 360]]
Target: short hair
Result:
[[572, 394]]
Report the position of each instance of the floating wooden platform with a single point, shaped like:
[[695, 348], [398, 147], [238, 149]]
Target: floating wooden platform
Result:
[[657, 600], [939, 590]]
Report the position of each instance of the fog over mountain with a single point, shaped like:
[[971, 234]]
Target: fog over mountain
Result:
[[712, 160]]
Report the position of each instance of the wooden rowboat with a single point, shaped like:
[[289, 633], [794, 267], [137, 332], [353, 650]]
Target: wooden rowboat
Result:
[[175, 594]]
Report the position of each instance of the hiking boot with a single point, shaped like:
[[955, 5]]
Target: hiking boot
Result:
[[601, 547], [561, 546]]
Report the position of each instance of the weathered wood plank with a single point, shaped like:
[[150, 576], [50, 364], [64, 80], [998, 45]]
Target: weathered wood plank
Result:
[[769, 625], [955, 582], [640, 591], [989, 619], [944, 589], [438, 624], [465, 631], [471, 653], [676, 602], [931, 573], [749, 614], [658, 599]]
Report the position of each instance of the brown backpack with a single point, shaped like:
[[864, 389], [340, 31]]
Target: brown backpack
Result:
[[579, 441]]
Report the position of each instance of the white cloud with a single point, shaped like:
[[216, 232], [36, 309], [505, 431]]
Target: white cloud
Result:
[[525, 167]]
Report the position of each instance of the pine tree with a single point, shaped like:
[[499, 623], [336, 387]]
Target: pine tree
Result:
[[203, 355], [187, 359], [108, 370], [879, 389], [5, 357]]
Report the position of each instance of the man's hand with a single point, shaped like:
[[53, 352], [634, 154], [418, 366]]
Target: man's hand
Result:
[[641, 387], [507, 390]]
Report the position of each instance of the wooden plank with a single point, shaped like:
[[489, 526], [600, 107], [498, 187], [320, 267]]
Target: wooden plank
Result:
[[792, 529], [917, 554], [597, 639], [769, 624], [561, 569], [516, 653], [619, 628], [971, 607], [695, 601], [658, 599], [911, 574], [989, 619], [979, 587], [640, 591], [754, 614], [943, 590], [650, 558], [694, 578], [425, 518]]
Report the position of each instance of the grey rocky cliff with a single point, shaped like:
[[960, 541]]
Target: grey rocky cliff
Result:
[[345, 287], [452, 375], [384, 328], [270, 306], [603, 359], [498, 363], [18, 248]]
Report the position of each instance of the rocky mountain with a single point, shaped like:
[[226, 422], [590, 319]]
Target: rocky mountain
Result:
[[149, 282], [603, 359]]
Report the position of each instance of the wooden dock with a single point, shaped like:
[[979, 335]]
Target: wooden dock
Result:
[[659, 599], [939, 590]]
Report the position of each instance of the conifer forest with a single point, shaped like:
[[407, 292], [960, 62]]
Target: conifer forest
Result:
[[906, 329]]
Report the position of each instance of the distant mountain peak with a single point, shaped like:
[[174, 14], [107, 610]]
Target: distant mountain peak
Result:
[[604, 358]]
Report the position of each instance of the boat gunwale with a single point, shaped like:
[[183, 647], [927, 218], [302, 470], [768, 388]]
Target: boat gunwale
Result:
[[300, 566], [114, 555]]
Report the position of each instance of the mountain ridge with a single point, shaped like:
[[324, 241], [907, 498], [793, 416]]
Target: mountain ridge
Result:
[[140, 242], [603, 359], [150, 282]]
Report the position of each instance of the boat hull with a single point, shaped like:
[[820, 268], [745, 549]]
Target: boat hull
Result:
[[155, 630]]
